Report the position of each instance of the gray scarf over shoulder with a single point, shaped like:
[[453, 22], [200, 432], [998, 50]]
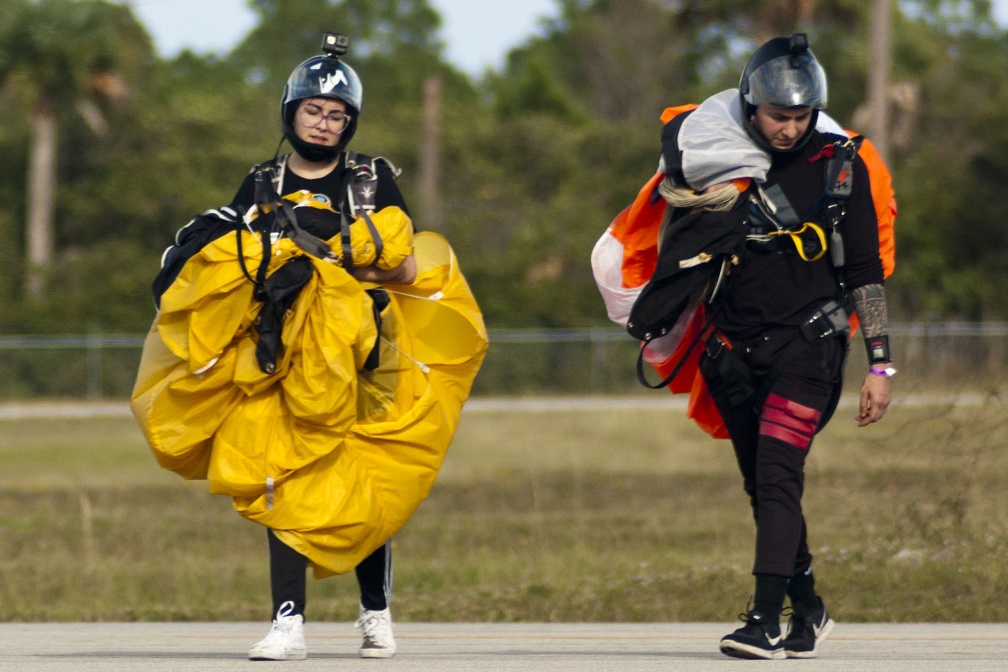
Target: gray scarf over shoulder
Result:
[[716, 147]]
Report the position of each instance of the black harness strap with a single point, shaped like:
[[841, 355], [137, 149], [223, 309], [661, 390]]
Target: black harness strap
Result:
[[362, 191], [264, 188], [833, 202], [345, 246], [701, 336], [829, 321], [278, 292], [375, 236], [309, 244]]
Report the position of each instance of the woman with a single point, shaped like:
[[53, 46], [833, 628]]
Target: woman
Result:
[[320, 109], [311, 356]]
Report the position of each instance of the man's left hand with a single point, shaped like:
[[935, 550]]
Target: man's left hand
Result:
[[875, 397]]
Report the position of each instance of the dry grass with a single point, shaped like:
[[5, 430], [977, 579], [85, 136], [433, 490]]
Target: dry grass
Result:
[[602, 515]]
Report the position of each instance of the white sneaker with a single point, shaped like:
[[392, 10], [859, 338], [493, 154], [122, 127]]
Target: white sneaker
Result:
[[377, 631], [285, 640]]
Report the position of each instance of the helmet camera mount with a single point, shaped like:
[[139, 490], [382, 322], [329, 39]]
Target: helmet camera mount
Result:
[[797, 45], [335, 44]]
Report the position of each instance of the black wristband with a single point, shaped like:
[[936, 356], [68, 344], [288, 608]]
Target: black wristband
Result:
[[878, 349]]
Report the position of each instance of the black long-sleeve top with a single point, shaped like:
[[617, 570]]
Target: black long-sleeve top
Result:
[[768, 290], [332, 187]]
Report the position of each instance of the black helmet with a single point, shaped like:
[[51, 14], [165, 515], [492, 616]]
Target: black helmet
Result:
[[783, 72], [323, 76]]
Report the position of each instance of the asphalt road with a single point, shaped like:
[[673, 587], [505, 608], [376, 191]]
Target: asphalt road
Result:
[[469, 647]]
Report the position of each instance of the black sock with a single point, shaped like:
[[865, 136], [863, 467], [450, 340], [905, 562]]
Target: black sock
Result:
[[802, 590], [770, 592]]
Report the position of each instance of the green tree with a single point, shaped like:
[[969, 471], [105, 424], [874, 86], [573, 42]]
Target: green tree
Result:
[[536, 159], [58, 56], [948, 91], [398, 35], [951, 177]]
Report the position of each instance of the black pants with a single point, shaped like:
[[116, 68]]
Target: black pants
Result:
[[288, 576], [772, 433]]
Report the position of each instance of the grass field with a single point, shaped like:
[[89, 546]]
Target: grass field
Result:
[[565, 515]]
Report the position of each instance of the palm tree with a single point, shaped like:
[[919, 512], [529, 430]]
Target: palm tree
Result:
[[57, 56]]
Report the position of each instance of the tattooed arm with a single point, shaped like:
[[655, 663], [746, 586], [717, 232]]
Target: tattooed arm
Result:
[[870, 306]]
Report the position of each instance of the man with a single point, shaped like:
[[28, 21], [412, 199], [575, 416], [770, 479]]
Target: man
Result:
[[774, 362]]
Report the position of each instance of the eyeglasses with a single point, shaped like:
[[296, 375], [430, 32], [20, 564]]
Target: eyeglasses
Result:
[[336, 122]]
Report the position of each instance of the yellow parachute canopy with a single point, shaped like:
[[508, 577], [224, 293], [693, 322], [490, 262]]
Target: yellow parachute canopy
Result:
[[392, 233], [334, 458]]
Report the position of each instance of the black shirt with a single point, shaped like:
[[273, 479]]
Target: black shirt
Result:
[[330, 189], [770, 290]]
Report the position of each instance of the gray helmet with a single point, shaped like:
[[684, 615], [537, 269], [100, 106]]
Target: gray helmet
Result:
[[324, 76], [783, 72]]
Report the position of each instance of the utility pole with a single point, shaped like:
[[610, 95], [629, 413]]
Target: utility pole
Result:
[[880, 41], [429, 182], [40, 200]]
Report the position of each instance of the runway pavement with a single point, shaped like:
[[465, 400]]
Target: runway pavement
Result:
[[545, 404], [478, 647]]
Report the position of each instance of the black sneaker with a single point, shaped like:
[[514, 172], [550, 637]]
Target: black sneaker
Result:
[[758, 638], [806, 631]]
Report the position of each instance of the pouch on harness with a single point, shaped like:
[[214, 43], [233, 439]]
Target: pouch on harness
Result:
[[277, 218], [694, 254]]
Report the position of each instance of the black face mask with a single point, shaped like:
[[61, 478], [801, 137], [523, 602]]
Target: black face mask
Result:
[[313, 152]]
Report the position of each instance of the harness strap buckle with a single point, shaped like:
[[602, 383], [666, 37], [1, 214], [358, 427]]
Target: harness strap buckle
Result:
[[716, 345], [829, 320]]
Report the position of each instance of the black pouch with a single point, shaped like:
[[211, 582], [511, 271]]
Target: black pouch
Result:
[[737, 378], [379, 302], [692, 255], [830, 319], [278, 294]]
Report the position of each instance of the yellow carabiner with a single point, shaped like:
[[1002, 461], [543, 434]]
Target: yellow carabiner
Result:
[[807, 244], [810, 239]]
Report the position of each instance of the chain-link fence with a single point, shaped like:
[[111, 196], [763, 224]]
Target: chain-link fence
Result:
[[519, 362]]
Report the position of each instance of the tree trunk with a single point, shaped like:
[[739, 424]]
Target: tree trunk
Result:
[[429, 180], [41, 198], [880, 38]]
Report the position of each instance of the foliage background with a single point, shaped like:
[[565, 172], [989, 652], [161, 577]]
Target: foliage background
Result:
[[537, 157]]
